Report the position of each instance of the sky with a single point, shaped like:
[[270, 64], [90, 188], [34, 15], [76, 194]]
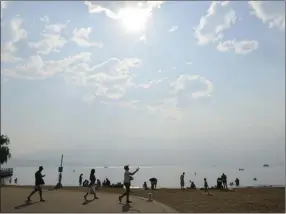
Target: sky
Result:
[[151, 82]]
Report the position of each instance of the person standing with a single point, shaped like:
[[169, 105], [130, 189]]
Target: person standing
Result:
[[91, 185], [206, 186], [224, 180], [127, 183], [80, 179], [39, 181], [182, 181]]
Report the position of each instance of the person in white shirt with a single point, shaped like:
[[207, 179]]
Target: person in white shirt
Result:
[[127, 183]]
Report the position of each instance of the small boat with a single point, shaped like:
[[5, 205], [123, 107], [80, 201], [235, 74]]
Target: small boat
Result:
[[240, 169], [105, 167], [255, 179], [265, 165]]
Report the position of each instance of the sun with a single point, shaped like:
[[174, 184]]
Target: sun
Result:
[[134, 20]]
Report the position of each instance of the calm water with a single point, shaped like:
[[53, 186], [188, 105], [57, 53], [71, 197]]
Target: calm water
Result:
[[168, 176]]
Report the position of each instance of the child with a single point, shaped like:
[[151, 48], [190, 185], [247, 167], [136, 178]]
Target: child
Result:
[[206, 186]]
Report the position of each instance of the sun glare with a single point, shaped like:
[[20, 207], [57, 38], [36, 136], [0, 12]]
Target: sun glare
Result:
[[134, 19]]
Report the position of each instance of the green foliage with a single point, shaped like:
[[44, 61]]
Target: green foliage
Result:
[[5, 154]]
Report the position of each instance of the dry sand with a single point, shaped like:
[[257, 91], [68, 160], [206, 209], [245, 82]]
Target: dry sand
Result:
[[240, 200]]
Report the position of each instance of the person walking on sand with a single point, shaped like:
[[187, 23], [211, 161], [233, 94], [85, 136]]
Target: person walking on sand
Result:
[[182, 181], [80, 179], [39, 181], [16, 180], [127, 183], [206, 186], [91, 189]]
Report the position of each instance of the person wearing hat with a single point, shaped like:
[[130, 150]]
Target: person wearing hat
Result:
[[39, 181], [127, 183]]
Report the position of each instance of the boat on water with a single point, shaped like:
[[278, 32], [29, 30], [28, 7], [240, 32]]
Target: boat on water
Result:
[[240, 169], [265, 165], [105, 167]]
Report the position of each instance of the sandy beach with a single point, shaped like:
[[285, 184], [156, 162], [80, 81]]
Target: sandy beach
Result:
[[240, 200]]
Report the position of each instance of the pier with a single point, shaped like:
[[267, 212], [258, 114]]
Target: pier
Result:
[[6, 172]]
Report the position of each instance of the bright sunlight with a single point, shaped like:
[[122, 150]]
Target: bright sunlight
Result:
[[134, 20]]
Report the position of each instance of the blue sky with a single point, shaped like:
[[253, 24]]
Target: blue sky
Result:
[[199, 77]]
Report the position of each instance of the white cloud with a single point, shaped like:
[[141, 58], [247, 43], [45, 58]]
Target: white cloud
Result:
[[81, 38], [181, 83], [18, 33], [219, 18], [8, 49], [45, 19], [271, 13], [52, 40], [112, 8], [239, 47], [173, 28], [7, 53]]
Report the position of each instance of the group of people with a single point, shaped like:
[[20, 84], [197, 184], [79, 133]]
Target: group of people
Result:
[[39, 182], [128, 177], [15, 181]]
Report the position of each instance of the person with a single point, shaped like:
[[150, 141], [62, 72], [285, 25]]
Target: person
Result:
[[39, 181], [224, 180], [237, 182], [193, 186], [85, 183], [98, 183], [206, 186], [127, 183], [16, 180], [219, 183], [182, 181], [91, 185], [10, 180], [80, 179], [145, 187], [153, 183]]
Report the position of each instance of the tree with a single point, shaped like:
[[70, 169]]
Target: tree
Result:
[[5, 154]]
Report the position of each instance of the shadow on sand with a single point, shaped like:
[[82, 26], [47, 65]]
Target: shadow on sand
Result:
[[126, 208], [26, 204], [87, 201]]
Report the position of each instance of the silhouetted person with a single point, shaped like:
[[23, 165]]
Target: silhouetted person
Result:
[[85, 183], [206, 186], [224, 180], [16, 180], [219, 183], [127, 183], [39, 182], [98, 183], [182, 181], [145, 186], [193, 186], [107, 182], [10, 180], [91, 185], [80, 179], [237, 182], [153, 183]]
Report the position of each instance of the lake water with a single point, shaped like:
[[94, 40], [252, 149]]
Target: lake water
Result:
[[168, 176]]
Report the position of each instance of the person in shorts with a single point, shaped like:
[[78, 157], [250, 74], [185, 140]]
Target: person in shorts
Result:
[[39, 181], [127, 183], [91, 186]]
